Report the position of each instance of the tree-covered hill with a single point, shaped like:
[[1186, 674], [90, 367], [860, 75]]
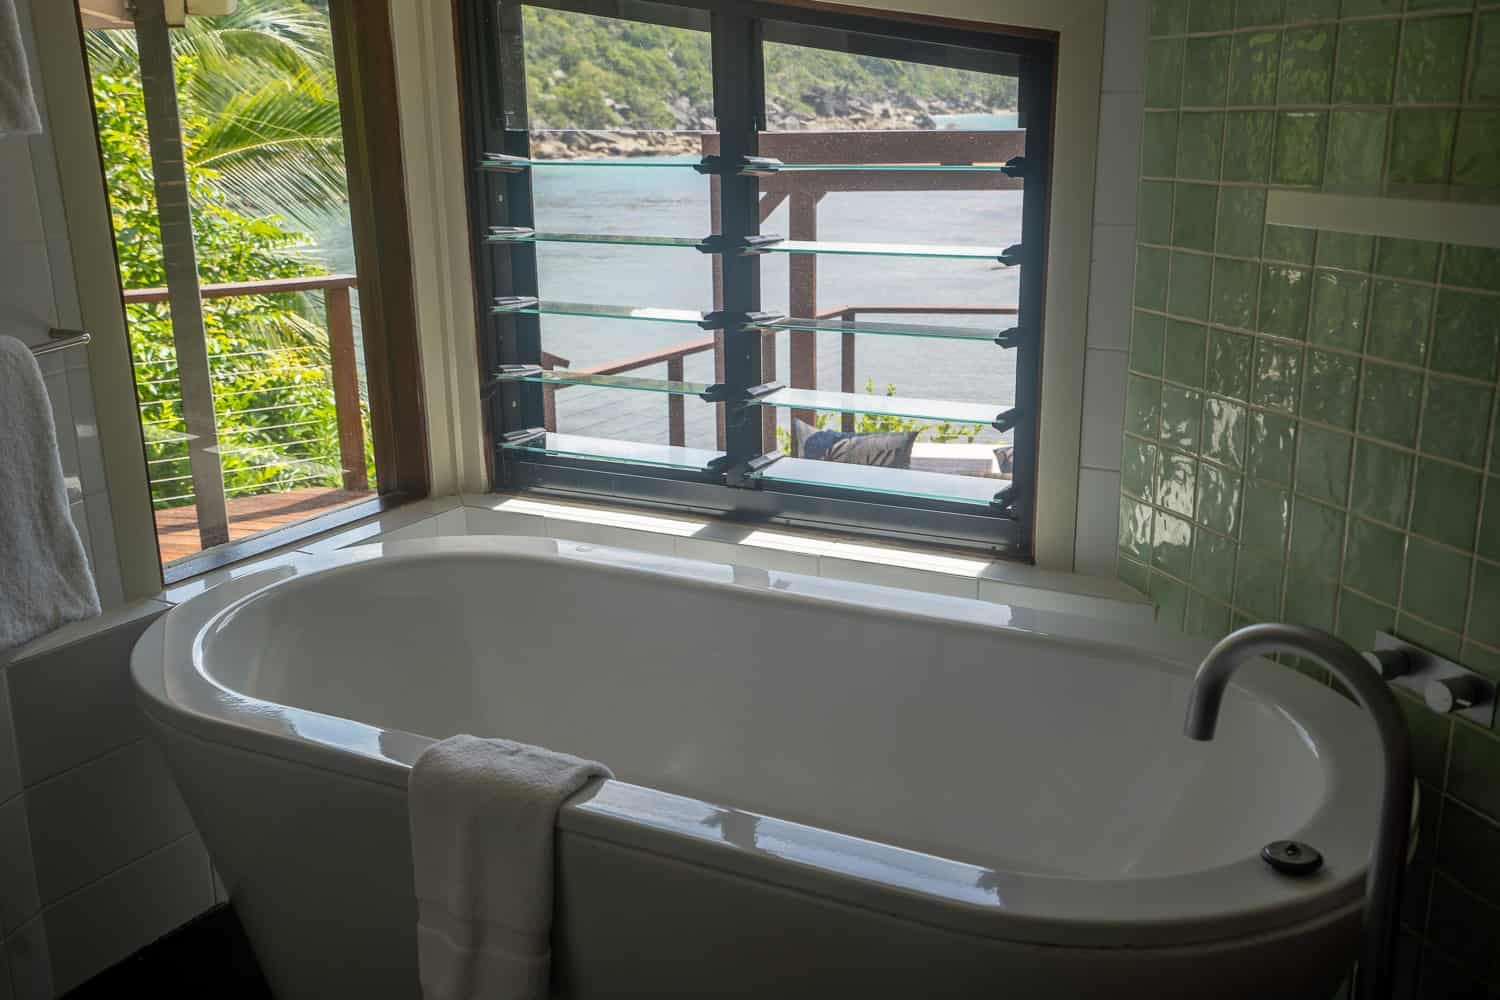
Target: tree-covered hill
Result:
[[590, 72]]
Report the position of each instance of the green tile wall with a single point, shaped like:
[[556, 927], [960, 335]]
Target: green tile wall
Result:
[[1310, 426]]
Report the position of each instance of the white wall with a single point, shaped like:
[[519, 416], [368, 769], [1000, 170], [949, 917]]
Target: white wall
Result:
[[97, 854], [1111, 277]]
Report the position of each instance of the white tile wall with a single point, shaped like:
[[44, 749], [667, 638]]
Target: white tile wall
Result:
[[30, 964], [1111, 275]]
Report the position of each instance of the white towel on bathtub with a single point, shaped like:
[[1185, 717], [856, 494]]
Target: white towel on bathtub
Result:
[[483, 818], [45, 580]]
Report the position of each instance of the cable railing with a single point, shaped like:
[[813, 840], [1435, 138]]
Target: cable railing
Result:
[[321, 378]]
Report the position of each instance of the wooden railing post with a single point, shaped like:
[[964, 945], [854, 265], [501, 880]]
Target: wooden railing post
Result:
[[676, 409], [346, 388]]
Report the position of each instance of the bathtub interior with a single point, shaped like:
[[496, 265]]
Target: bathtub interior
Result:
[[996, 748]]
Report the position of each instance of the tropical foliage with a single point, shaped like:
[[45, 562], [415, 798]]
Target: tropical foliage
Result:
[[260, 127]]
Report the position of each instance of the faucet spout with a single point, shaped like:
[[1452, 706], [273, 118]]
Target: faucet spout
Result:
[[1388, 858]]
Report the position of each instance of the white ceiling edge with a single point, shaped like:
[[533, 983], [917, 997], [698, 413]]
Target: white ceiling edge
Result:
[[1465, 223]]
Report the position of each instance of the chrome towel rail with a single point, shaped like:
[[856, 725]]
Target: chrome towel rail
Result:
[[61, 340]]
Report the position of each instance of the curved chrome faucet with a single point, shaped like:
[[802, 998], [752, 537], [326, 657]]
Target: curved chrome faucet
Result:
[[1383, 881]]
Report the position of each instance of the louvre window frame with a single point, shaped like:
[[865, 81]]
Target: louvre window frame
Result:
[[499, 188]]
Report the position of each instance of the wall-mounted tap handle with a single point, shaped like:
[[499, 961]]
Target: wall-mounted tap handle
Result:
[[1389, 662], [1450, 694]]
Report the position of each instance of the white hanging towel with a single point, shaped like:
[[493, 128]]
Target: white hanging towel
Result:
[[18, 115], [45, 580], [483, 819]]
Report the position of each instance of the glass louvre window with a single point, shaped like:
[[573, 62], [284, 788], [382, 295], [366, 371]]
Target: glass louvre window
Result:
[[761, 260]]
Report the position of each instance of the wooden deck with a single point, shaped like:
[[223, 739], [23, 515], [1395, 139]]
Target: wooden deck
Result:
[[177, 527]]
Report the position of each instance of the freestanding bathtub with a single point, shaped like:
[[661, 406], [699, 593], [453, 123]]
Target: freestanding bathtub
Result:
[[823, 789]]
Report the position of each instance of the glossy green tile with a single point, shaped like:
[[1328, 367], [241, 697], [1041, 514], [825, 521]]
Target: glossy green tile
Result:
[[1489, 521], [1176, 481], [1248, 137], [1468, 849], [1169, 17], [1472, 766], [1356, 151], [1190, 285], [1229, 364], [1433, 54], [1466, 334], [1142, 406], [1306, 64], [1253, 61], [1272, 438], [1351, 251], [1224, 429], [1133, 574], [1278, 376], [1147, 338], [1441, 641], [1210, 15], [1330, 388], [1234, 292], [1205, 71], [1200, 144], [1181, 417], [1484, 617], [1159, 144], [1429, 749], [1310, 601], [1357, 8], [1138, 468], [1317, 539], [1242, 216], [1414, 259], [1360, 618], [1218, 499], [1252, 13], [1472, 267], [1213, 565], [1452, 420], [1206, 619], [1338, 312], [1382, 482], [1298, 11], [1152, 268], [1172, 547], [1445, 505], [1170, 597], [1298, 158], [1479, 658], [1135, 528], [1400, 315], [1420, 142], [1323, 458], [1390, 401], [1366, 62], [1186, 350], [1435, 583], [1257, 586], [1290, 244], [1265, 519], [1484, 84], [1373, 562], [1193, 215], [1475, 164], [1285, 293], [1164, 59], [1153, 212]]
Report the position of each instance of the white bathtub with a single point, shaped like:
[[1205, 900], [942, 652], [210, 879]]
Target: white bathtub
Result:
[[823, 789]]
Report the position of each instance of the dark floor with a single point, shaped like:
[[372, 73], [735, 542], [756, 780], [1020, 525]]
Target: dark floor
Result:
[[206, 958]]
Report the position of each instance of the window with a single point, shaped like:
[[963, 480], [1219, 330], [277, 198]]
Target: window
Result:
[[273, 378], [768, 262]]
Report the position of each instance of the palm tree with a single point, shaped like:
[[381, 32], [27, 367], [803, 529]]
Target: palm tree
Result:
[[261, 81]]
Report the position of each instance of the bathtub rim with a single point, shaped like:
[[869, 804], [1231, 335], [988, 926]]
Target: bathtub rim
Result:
[[1147, 911]]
